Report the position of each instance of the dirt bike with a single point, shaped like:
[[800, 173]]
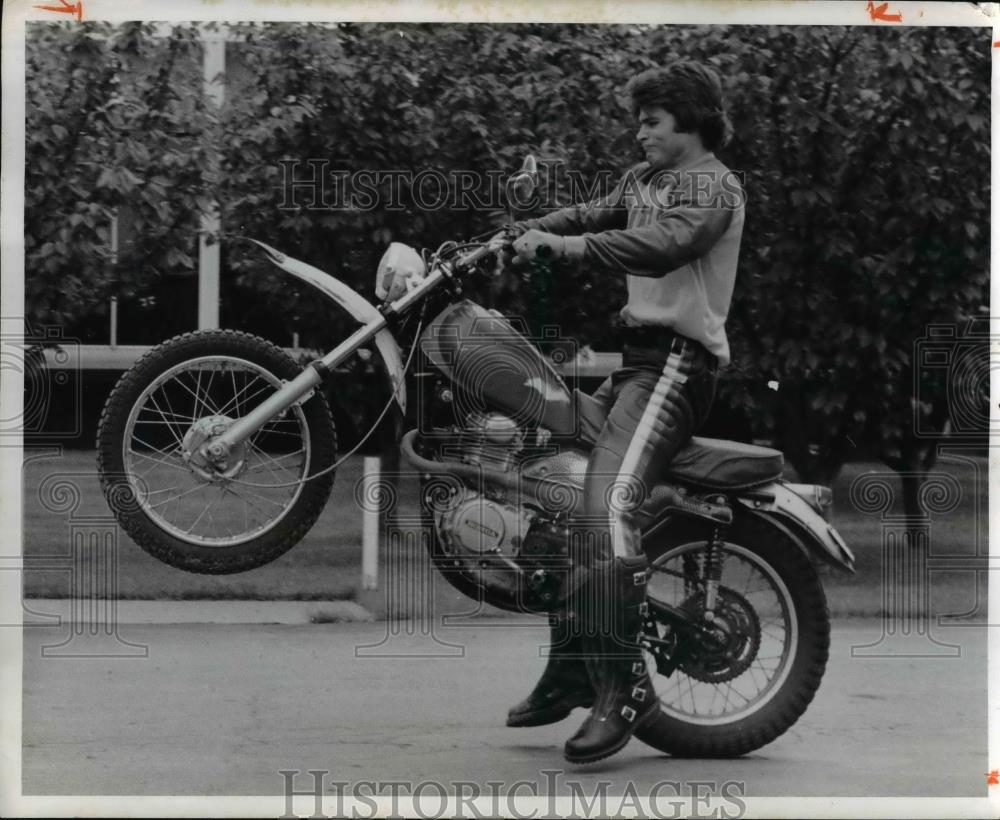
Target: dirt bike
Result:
[[217, 453]]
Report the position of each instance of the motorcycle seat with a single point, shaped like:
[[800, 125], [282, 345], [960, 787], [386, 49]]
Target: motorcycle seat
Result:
[[716, 464], [725, 465]]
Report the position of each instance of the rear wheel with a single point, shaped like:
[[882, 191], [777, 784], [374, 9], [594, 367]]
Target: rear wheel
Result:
[[762, 656], [177, 506]]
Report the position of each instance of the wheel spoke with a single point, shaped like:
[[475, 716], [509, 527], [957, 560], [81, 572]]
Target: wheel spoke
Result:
[[163, 451], [208, 392], [176, 497], [230, 404], [274, 461], [198, 398], [694, 705], [178, 438], [262, 497], [265, 465], [159, 461], [202, 513], [247, 501]]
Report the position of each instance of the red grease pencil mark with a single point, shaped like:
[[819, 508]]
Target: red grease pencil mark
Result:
[[993, 778], [66, 8], [879, 13]]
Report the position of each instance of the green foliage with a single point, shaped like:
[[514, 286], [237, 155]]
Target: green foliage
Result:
[[111, 124], [866, 157], [865, 153]]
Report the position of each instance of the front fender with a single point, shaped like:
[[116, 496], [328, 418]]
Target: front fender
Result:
[[355, 304], [815, 531]]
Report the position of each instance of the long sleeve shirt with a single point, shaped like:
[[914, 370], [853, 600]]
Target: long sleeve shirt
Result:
[[675, 234]]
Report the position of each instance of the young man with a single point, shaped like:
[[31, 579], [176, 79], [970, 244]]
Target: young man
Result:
[[672, 226]]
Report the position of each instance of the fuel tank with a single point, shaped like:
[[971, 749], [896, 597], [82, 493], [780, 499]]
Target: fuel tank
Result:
[[494, 367]]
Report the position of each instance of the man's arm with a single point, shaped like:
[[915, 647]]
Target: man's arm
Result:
[[601, 214], [681, 234]]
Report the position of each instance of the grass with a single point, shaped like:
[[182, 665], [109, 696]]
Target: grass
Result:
[[326, 564]]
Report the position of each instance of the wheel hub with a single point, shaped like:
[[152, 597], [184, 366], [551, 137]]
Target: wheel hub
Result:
[[731, 640], [207, 465]]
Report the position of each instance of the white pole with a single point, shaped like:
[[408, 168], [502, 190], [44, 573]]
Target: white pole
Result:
[[213, 65], [369, 537], [114, 322], [113, 243]]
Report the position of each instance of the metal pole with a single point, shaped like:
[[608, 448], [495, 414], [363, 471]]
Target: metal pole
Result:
[[213, 65], [369, 537], [114, 322], [113, 242]]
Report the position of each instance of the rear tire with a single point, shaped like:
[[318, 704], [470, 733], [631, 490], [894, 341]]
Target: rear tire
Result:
[[675, 735], [120, 479]]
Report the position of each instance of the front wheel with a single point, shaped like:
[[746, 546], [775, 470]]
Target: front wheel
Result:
[[760, 659], [202, 517]]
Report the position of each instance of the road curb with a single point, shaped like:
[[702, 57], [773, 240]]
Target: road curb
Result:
[[54, 611], [51, 612]]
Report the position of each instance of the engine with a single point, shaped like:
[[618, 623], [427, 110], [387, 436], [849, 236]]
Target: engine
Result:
[[475, 526], [490, 440], [516, 547], [518, 553]]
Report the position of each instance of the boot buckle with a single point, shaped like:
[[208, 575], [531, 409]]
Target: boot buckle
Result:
[[628, 713], [639, 578], [644, 608], [638, 694], [638, 668]]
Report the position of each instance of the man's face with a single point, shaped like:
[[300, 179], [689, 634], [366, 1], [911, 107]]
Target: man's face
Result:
[[661, 143]]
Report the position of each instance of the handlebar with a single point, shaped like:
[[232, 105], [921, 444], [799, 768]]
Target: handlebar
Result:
[[472, 257]]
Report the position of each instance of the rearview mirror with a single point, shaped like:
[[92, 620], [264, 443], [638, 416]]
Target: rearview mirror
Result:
[[521, 187]]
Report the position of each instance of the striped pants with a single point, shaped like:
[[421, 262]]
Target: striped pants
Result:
[[656, 401]]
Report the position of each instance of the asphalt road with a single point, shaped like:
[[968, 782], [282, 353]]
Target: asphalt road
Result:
[[219, 710]]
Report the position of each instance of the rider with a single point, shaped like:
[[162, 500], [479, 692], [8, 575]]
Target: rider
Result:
[[672, 226]]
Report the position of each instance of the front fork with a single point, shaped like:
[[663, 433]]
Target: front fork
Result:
[[217, 449]]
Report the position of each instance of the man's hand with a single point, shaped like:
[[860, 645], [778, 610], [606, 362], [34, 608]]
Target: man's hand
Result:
[[502, 243], [529, 245]]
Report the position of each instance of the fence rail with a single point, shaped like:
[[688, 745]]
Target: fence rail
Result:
[[121, 357]]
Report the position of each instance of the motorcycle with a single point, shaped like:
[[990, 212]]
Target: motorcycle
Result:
[[217, 453]]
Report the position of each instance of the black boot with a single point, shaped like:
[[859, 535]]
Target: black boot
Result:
[[613, 614], [564, 684]]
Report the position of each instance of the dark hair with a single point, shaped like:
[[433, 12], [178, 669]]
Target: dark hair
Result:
[[691, 92]]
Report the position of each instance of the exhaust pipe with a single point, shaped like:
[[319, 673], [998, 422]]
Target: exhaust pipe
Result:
[[557, 497]]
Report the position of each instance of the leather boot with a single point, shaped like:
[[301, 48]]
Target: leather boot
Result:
[[565, 683], [613, 612]]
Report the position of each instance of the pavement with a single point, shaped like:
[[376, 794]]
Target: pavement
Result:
[[221, 709]]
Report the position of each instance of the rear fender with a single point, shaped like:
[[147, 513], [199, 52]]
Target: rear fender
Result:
[[815, 532], [355, 304]]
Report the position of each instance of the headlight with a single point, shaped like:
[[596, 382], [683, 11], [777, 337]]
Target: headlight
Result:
[[400, 270], [818, 497]]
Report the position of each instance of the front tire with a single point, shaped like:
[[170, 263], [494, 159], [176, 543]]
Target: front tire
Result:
[[175, 507], [691, 722]]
